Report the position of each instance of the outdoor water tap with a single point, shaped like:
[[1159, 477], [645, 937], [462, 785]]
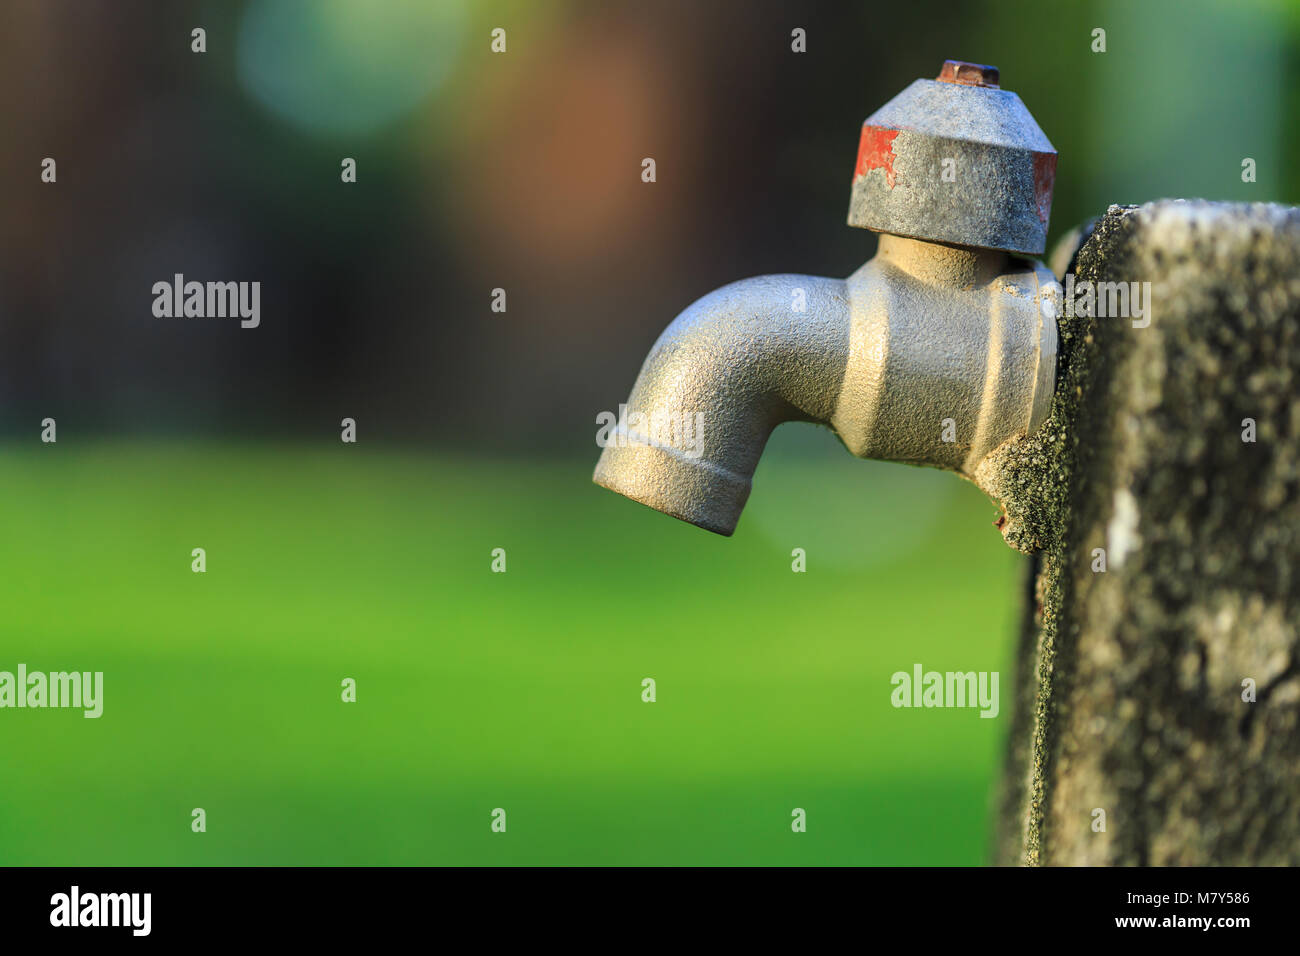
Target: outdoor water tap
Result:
[[935, 352]]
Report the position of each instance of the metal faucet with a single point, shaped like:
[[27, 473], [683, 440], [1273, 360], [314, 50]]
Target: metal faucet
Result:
[[935, 352]]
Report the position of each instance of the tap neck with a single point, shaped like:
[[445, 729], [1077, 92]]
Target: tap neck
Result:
[[939, 263]]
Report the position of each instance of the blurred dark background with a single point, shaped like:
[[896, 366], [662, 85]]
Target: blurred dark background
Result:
[[521, 171]]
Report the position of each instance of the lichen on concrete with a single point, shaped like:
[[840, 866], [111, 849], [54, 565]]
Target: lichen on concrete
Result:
[[1131, 678]]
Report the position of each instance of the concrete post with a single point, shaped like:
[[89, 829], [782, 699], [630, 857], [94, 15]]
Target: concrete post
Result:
[[1157, 713]]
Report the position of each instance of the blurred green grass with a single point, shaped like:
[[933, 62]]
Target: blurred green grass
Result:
[[479, 690]]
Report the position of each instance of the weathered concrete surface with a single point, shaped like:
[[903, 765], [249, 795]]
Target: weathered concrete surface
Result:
[[1131, 685]]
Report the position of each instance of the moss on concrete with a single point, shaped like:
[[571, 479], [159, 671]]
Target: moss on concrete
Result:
[[1130, 696]]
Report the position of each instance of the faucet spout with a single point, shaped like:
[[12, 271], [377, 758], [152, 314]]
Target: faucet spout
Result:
[[723, 375]]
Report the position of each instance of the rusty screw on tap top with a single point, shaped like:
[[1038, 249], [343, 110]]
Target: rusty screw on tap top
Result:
[[968, 74]]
